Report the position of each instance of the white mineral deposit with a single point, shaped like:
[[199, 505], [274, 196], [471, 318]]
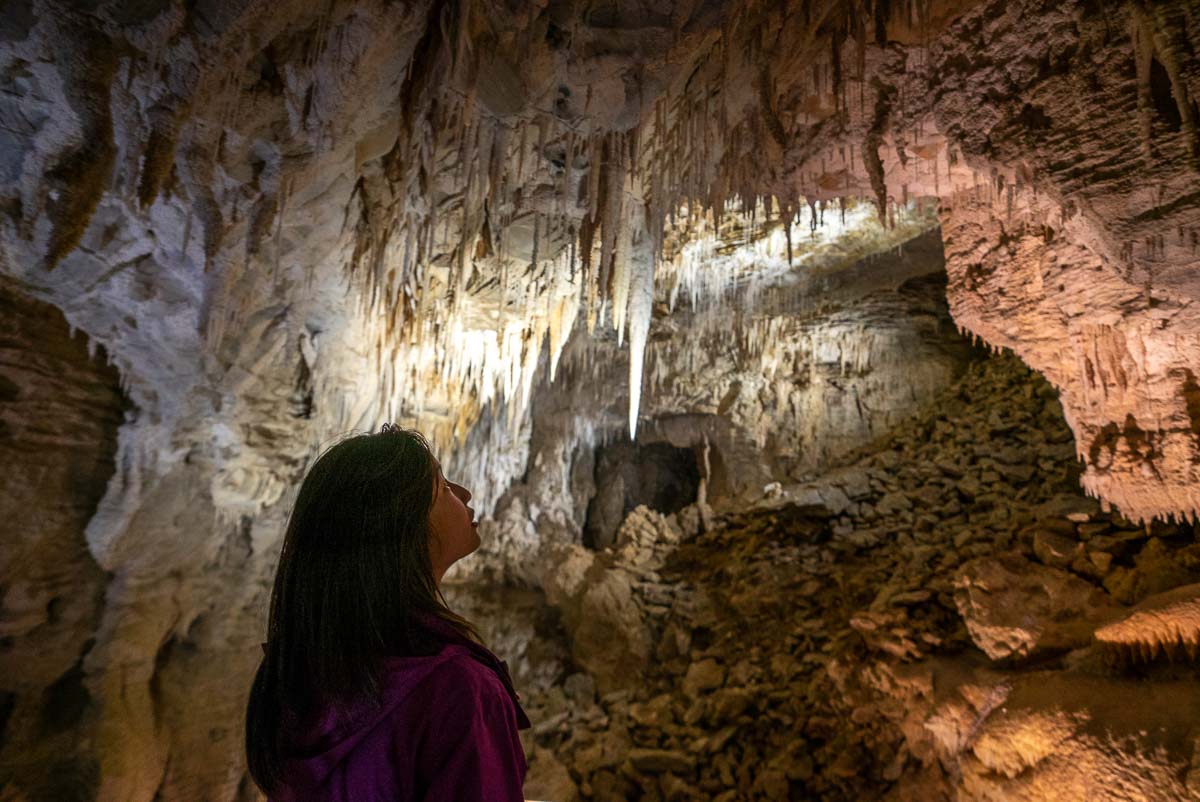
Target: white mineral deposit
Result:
[[926, 270]]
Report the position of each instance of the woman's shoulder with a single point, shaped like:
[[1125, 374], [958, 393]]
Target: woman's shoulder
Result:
[[455, 668], [461, 682], [466, 675]]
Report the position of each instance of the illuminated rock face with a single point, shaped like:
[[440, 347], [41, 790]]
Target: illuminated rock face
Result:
[[482, 202], [1163, 625], [1061, 736], [285, 220], [1127, 373], [1080, 252]]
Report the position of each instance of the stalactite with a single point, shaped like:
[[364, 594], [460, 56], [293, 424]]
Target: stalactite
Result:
[[521, 149], [1158, 32], [614, 211], [621, 279], [537, 230], [641, 303]]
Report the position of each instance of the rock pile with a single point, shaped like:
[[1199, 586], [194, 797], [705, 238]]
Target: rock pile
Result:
[[889, 627]]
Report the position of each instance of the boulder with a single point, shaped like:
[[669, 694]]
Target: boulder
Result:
[[580, 688], [549, 779], [704, 675], [610, 639], [1055, 550], [1015, 608]]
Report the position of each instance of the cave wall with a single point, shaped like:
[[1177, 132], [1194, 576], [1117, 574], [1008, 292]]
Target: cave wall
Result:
[[838, 374], [60, 407], [1062, 225], [1128, 376], [1092, 282], [283, 222]]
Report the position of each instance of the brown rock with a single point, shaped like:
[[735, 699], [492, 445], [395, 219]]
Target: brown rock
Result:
[[1014, 608], [549, 779], [653, 761], [703, 676], [727, 704], [610, 640], [1156, 569], [1055, 550]]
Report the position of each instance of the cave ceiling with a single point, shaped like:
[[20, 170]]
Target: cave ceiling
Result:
[[363, 211], [740, 230]]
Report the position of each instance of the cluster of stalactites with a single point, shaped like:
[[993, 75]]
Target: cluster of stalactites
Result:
[[599, 203], [1163, 626], [424, 260]]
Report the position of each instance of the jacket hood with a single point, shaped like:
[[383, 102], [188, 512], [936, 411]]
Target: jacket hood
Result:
[[320, 746]]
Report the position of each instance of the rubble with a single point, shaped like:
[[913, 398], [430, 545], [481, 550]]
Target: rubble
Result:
[[948, 655], [281, 221]]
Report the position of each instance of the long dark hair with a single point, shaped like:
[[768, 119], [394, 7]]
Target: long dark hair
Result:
[[353, 583]]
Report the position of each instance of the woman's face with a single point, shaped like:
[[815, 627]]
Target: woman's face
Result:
[[453, 530]]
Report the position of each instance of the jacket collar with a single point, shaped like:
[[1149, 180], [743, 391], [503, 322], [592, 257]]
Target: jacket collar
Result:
[[440, 627]]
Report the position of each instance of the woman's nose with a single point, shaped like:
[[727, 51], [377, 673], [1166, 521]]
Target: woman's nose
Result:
[[462, 493]]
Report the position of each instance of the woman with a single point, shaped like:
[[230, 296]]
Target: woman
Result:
[[370, 687]]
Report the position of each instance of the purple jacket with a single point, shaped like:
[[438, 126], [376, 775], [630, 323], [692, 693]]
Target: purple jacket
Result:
[[446, 730]]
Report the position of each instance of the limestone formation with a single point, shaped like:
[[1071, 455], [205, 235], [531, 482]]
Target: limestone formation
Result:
[[806, 653], [1164, 625], [1015, 608], [760, 246]]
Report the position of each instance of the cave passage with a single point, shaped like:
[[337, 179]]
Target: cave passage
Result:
[[627, 475]]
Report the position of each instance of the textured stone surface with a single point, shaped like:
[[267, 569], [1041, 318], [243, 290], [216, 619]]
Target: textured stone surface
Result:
[[1166, 623], [1015, 608], [286, 220], [60, 406], [1065, 735]]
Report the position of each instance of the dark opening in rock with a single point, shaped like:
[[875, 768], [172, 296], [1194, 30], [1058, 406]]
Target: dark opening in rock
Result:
[[1162, 94], [7, 702], [65, 702], [659, 475]]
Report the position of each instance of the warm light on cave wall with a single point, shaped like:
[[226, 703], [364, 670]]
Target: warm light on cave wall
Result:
[[486, 348]]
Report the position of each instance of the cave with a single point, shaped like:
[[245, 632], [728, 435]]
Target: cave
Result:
[[823, 375], [658, 476]]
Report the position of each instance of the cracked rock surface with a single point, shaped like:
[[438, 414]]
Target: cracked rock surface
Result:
[[804, 653], [749, 230]]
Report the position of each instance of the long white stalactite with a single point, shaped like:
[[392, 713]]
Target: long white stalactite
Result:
[[641, 305]]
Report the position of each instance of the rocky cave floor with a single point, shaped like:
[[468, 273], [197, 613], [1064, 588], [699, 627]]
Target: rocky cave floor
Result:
[[850, 637]]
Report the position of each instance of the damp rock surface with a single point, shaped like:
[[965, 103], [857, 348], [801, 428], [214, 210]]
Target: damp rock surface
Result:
[[533, 229], [884, 652], [60, 407]]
